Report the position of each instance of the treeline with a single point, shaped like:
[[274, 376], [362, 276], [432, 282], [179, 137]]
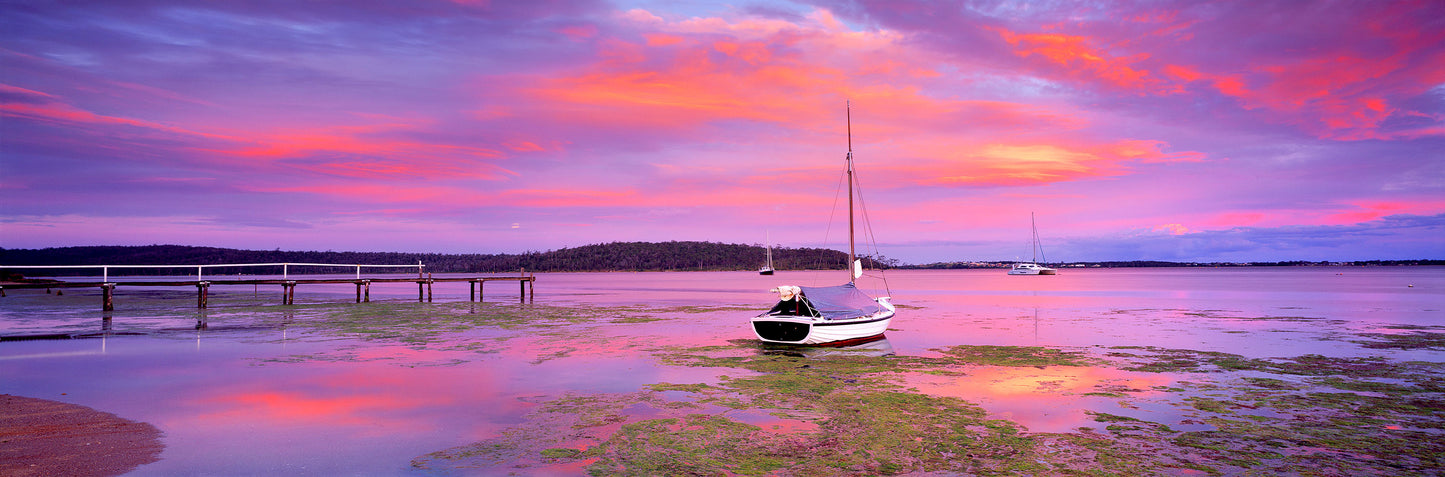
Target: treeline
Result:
[[616, 256]]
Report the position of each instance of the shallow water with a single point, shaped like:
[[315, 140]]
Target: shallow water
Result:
[[261, 389]]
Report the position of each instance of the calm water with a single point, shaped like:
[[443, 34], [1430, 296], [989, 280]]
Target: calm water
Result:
[[257, 392]]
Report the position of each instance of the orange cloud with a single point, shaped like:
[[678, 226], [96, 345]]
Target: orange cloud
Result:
[[703, 70], [1033, 163], [1172, 229], [1081, 61]]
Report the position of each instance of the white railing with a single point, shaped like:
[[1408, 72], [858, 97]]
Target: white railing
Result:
[[285, 272]]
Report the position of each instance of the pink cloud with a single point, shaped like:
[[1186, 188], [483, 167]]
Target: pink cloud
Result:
[[1340, 90], [66, 114], [1368, 210]]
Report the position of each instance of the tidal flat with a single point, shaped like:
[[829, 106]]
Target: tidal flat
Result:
[[657, 374]]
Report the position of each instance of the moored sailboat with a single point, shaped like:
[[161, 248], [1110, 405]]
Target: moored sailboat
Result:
[[835, 315], [767, 269], [1032, 267]]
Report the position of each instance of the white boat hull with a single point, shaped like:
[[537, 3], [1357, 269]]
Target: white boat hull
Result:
[[1031, 269], [821, 332]]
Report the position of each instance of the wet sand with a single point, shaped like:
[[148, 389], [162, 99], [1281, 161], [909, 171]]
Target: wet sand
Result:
[[40, 437]]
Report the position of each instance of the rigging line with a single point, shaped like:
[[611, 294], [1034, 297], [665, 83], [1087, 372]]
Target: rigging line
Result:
[[868, 233], [1040, 244], [832, 213]]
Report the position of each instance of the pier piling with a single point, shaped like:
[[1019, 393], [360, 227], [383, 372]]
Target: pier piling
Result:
[[107, 296]]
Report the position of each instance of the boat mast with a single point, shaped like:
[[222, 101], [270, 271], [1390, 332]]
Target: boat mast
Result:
[[770, 249], [852, 256], [1038, 245]]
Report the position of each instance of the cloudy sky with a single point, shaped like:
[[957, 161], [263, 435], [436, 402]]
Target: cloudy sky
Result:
[[1150, 130]]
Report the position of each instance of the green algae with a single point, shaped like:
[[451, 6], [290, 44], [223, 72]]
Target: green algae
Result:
[[1404, 341], [864, 423], [1015, 356], [848, 414], [560, 453], [1269, 383]]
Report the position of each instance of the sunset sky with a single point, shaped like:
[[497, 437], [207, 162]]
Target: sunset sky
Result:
[[1151, 130]]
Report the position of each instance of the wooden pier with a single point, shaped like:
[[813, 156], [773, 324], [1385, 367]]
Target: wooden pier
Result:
[[288, 285]]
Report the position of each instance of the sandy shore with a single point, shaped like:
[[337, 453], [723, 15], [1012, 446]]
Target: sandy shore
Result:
[[41, 437]]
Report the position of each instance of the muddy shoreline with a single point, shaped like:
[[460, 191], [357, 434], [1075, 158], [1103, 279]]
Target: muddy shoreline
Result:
[[40, 437]]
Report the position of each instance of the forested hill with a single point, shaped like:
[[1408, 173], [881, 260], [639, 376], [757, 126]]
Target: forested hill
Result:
[[617, 256]]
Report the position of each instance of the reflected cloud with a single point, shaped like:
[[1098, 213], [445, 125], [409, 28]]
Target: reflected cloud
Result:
[[1053, 399]]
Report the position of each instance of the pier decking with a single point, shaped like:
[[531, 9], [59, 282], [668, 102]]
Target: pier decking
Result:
[[424, 281]]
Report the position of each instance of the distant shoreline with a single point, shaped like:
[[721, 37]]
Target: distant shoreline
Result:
[[609, 257]]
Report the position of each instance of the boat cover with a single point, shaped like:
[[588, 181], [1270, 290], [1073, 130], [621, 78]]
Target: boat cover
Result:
[[840, 302]]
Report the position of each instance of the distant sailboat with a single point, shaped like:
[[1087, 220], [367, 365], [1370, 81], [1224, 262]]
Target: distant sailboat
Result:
[[836, 315], [768, 269], [1032, 267]]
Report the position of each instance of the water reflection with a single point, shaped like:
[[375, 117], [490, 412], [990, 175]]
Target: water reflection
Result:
[[875, 347], [265, 396], [1051, 399]]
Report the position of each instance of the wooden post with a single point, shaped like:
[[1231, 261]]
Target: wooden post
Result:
[[358, 291], [481, 290], [471, 290], [2, 292], [531, 287], [368, 291], [523, 285], [428, 289], [420, 291], [202, 293], [107, 296], [288, 293]]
